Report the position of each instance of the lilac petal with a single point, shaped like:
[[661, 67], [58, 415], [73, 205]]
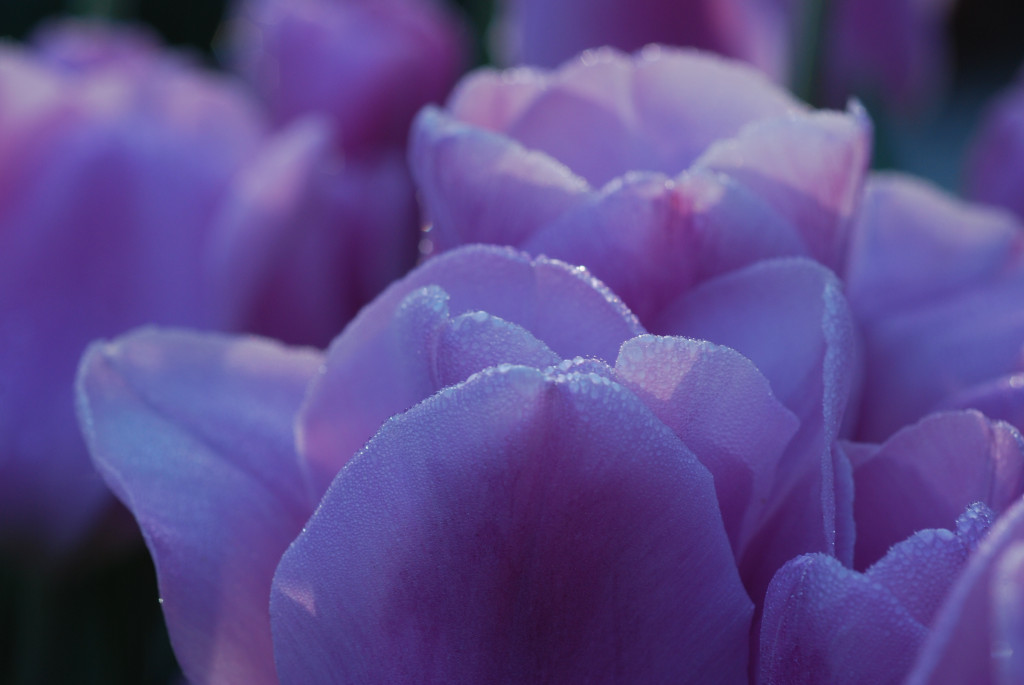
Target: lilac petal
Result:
[[721, 407], [480, 187], [493, 99], [810, 167], [947, 461], [789, 317], [972, 638], [914, 244], [812, 607], [382, 365], [194, 434], [951, 301], [651, 238], [516, 528], [824, 623], [609, 113]]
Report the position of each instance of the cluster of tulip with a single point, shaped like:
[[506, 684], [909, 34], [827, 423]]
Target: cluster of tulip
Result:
[[618, 364]]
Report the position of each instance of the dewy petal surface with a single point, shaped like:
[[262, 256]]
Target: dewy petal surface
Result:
[[947, 461], [827, 624], [194, 433], [973, 638], [790, 318], [386, 360], [721, 407], [520, 527]]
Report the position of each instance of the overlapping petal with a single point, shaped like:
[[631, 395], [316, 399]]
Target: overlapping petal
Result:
[[194, 433], [936, 286], [518, 527]]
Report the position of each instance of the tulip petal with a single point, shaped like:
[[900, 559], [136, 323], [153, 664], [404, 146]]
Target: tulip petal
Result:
[[194, 434], [947, 461], [811, 169], [824, 623], [651, 238], [789, 317], [481, 187], [516, 528], [384, 362], [936, 284], [973, 638], [721, 407]]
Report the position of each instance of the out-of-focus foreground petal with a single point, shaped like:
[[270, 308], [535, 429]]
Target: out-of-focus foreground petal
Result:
[[194, 434], [521, 527]]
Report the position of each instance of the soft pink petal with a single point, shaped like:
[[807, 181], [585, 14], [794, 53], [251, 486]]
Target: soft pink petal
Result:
[[388, 359], [722, 408], [946, 461], [194, 434], [809, 167], [516, 528], [608, 113]]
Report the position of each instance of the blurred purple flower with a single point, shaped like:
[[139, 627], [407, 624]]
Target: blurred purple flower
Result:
[[995, 172], [137, 188], [894, 50], [547, 33], [368, 65]]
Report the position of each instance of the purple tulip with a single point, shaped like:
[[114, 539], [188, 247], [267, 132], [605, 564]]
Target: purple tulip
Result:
[[658, 172], [137, 188], [995, 173], [548, 33], [493, 474], [367, 65]]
